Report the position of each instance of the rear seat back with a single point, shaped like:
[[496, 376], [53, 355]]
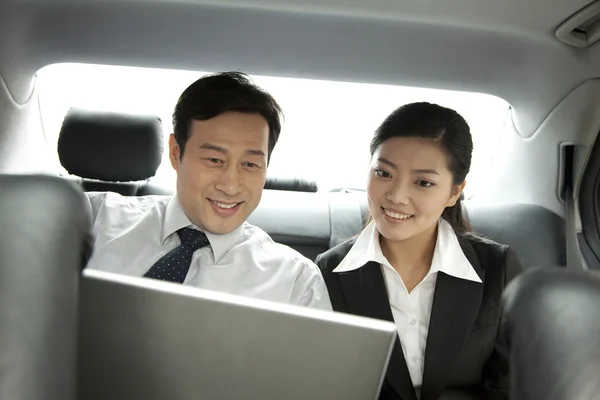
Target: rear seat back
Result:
[[120, 153], [536, 233], [313, 223]]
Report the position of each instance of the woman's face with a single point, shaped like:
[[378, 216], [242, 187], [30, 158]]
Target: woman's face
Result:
[[409, 186]]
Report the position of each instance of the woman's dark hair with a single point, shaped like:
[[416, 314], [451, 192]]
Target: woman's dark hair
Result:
[[439, 125], [216, 94]]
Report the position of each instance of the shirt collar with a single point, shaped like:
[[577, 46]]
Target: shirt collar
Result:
[[366, 248], [448, 256], [176, 219]]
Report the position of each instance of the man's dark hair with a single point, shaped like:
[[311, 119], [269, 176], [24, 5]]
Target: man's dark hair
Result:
[[219, 93]]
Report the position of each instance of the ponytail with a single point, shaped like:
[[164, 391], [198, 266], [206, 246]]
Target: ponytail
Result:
[[455, 217]]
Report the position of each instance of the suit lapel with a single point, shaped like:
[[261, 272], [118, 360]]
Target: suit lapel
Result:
[[366, 295], [456, 303]]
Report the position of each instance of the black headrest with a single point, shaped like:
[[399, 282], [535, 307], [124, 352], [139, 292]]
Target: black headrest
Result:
[[292, 184], [109, 146]]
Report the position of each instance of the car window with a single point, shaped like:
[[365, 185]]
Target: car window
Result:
[[327, 127]]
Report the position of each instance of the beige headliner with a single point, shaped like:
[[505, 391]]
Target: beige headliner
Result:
[[505, 48], [533, 17]]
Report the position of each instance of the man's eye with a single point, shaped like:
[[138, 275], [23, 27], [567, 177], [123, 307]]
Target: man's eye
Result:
[[251, 165], [214, 160]]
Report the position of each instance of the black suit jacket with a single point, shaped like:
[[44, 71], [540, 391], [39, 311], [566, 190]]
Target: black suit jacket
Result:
[[463, 358]]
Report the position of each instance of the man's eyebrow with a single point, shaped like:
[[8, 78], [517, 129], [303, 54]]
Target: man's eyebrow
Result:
[[209, 146], [255, 152], [252, 152]]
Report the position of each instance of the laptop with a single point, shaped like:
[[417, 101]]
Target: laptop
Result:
[[147, 339]]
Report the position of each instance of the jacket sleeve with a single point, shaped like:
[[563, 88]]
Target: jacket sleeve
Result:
[[496, 378]]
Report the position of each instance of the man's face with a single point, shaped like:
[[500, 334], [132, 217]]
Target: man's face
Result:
[[222, 173]]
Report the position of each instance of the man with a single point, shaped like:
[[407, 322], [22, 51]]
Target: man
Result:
[[225, 129]]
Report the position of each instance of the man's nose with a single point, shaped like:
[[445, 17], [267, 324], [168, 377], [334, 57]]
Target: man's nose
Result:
[[229, 181]]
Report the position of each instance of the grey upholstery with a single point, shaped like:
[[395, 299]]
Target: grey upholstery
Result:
[[44, 244], [299, 220], [551, 324], [313, 222], [536, 234], [119, 153]]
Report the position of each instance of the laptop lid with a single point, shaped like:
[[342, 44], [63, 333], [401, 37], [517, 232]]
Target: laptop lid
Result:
[[146, 339]]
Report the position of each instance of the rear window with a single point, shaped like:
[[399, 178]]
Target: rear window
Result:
[[327, 127]]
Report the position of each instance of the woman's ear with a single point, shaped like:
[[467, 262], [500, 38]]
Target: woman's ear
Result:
[[456, 192]]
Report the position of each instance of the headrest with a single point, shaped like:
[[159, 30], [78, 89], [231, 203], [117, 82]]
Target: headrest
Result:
[[109, 146], [292, 184]]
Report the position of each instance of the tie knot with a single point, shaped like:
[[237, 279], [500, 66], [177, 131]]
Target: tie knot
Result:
[[193, 238]]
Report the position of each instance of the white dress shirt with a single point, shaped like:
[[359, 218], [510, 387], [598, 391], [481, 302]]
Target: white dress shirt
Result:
[[132, 233], [412, 311]]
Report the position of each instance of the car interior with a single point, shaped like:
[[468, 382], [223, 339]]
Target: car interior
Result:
[[536, 183]]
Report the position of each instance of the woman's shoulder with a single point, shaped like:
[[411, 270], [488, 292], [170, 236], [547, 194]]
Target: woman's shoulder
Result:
[[494, 256], [484, 245], [330, 259]]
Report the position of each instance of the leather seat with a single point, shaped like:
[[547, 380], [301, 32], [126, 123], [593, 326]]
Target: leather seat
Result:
[[552, 326], [111, 152], [44, 244]]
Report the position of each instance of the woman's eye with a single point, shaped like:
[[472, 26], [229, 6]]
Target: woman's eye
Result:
[[425, 184], [382, 174]]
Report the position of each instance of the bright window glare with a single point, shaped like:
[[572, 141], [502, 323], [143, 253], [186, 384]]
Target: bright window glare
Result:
[[327, 128]]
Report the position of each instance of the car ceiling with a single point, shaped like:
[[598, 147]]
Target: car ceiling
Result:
[[534, 17], [504, 48]]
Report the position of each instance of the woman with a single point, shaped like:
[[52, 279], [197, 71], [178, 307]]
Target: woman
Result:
[[417, 264]]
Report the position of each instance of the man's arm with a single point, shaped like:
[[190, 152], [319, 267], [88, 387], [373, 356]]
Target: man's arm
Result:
[[93, 202], [313, 289]]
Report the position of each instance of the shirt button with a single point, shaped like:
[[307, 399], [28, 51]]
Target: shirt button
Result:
[[414, 359], [413, 322]]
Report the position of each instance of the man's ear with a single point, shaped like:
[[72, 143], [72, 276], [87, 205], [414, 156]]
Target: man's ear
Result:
[[456, 192], [174, 152]]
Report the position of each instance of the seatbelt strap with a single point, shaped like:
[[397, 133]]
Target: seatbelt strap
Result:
[[575, 260]]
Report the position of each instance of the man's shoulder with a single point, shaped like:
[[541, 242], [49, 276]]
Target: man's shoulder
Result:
[[275, 250], [109, 203], [117, 200]]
